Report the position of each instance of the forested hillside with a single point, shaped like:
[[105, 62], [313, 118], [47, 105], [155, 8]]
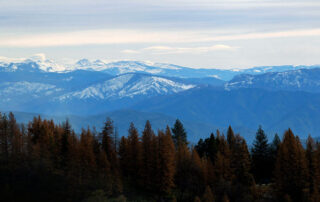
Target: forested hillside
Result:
[[43, 161]]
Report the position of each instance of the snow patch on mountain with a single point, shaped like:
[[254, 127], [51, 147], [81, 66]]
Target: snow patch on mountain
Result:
[[128, 85], [301, 79], [24, 87]]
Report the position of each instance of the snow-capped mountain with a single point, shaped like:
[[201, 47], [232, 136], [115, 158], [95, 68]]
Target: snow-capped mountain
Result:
[[40, 63], [39, 85], [128, 85], [295, 80], [37, 62]]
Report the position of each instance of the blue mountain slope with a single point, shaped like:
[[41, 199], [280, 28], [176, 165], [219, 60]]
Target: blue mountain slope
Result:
[[243, 108], [276, 100], [122, 120], [297, 80]]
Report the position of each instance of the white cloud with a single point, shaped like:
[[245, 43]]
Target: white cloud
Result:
[[112, 36], [128, 51], [180, 50]]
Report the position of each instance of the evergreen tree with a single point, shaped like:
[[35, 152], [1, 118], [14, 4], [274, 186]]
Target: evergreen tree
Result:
[[261, 158], [116, 139], [107, 141], [15, 140], [87, 157], [4, 138], [231, 138], [182, 177], [291, 168], [166, 167], [222, 166], [274, 148], [104, 172], [149, 157], [134, 157], [65, 143], [243, 182], [179, 134], [313, 168], [123, 156], [275, 143], [197, 173]]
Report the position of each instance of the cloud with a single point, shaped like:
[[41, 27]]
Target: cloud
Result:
[[180, 50], [128, 51], [98, 37], [115, 36]]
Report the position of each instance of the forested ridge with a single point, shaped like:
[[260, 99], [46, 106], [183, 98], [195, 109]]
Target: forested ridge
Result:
[[44, 161]]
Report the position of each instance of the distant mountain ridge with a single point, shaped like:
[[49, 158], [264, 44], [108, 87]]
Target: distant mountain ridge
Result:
[[275, 97], [296, 80], [41, 63], [129, 85]]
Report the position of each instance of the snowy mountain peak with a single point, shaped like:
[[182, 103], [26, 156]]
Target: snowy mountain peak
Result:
[[128, 85], [37, 62], [83, 62]]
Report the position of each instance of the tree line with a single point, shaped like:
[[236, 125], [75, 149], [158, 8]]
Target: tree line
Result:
[[44, 161]]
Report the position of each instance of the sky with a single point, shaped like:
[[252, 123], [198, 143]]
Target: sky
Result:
[[194, 33]]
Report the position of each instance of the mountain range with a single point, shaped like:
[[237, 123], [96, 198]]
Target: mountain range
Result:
[[87, 92]]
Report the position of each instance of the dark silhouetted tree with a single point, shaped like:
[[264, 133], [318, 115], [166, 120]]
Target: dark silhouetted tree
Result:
[[291, 169], [166, 157], [179, 134], [261, 158]]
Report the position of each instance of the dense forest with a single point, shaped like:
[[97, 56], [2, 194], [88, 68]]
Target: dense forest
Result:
[[44, 161]]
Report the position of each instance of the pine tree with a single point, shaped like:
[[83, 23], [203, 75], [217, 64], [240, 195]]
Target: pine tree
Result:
[[116, 139], [197, 174], [231, 138], [313, 168], [134, 154], [274, 148], [261, 158], [243, 181], [15, 138], [209, 173], [87, 157], [149, 155], [291, 168], [179, 134], [166, 167], [4, 138], [108, 145], [275, 143], [222, 166], [65, 143], [123, 156], [107, 141], [182, 177]]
